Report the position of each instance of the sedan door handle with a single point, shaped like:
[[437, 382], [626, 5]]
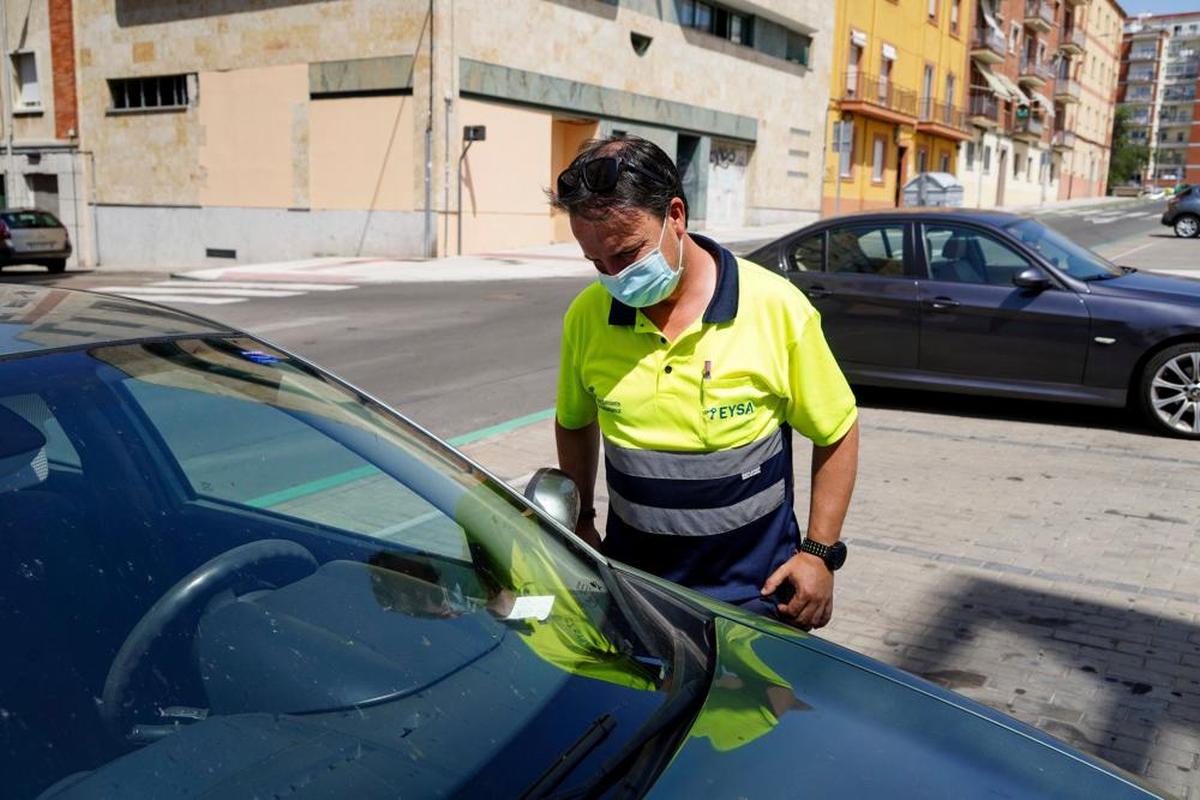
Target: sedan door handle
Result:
[[817, 292], [943, 304]]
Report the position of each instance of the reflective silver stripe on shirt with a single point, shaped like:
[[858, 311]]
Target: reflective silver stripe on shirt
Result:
[[693, 466], [698, 521]]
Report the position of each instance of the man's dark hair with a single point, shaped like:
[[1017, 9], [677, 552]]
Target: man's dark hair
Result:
[[634, 190]]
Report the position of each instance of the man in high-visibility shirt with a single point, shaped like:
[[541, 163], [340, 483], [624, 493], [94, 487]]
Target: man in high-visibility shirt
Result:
[[695, 367]]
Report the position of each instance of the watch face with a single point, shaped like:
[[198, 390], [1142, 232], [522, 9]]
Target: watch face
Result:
[[836, 556]]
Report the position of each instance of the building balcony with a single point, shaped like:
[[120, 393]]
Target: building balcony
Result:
[[988, 46], [942, 119], [983, 110], [1077, 2], [1072, 40], [1034, 73], [1063, 140], [878, 98], [1039, 15], [1066, 90], [1143, 54], [1029, 128]]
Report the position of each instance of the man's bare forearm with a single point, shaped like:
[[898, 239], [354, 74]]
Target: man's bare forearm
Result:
[[579, 457], [834, 469]]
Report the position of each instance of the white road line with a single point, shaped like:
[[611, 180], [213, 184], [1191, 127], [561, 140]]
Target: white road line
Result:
[[180, 298], [1115, 256], [282, 285], [199, 290], [292, 323]]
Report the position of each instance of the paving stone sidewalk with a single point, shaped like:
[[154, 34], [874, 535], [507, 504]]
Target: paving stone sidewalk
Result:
[[1040, 559]]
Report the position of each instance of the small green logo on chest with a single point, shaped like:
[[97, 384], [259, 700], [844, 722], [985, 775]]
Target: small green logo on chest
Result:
[[730, 411]]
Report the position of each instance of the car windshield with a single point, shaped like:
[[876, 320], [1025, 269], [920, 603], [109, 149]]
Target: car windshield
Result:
[[29, 219], [1062, 253], [222, 565]]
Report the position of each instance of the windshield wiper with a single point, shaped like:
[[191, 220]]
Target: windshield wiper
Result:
[[570, 758], [678, 708]]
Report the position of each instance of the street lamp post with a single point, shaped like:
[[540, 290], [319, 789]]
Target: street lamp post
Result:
[[471, 134]]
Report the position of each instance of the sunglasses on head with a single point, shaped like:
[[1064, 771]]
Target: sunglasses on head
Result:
[[600, 175]]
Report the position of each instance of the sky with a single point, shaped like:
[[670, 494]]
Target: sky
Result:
[[1159, 6]]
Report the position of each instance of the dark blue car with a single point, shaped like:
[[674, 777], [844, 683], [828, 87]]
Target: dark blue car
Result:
[[226, 574], [984, 302]]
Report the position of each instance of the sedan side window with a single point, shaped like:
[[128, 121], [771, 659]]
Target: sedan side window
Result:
[[870, 249], [807, 254], [965, 255]]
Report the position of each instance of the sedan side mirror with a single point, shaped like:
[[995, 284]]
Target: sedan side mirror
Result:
[[553, 491], [1031, 278]]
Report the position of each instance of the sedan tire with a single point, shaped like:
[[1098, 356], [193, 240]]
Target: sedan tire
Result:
[[1169, 391], [1187, 226], [57, 265]]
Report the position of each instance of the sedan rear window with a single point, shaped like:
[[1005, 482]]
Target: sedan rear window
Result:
[[30, 219]]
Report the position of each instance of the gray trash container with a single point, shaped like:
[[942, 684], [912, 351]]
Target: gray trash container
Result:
[[933, 189]]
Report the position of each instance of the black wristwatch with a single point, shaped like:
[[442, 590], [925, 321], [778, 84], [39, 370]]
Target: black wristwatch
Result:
[[834, 555]]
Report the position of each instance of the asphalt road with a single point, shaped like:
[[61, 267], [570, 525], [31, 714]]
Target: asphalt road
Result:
[[457, 357]]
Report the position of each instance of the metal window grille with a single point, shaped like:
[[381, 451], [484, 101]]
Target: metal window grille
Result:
[[161, 91]]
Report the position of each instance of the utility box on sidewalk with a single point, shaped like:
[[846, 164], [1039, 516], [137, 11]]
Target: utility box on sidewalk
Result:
[[933, 189]]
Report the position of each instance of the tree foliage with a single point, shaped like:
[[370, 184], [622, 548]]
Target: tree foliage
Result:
[[1128, 157]]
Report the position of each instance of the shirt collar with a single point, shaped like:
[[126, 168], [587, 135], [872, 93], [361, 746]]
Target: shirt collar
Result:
[[722, 307]]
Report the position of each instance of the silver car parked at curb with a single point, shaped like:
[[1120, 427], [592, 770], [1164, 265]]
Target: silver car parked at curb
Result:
[[33, 236]]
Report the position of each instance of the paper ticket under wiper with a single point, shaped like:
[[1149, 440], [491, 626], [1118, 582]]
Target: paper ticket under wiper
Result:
[[532, 607]]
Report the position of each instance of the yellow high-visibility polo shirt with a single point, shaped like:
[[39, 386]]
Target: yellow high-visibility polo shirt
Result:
[[696, 430]]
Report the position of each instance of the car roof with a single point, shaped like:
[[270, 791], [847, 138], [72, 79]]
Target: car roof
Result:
[[35, 319], [977, 215]]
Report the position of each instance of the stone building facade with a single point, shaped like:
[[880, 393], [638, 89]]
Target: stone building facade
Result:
[[280, 129]]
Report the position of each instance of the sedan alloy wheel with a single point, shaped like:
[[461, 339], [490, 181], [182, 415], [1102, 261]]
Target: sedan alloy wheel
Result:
[[1187, 226], [1171, 390]]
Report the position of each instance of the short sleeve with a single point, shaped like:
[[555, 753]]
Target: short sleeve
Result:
[[820, 403], [574, 407]]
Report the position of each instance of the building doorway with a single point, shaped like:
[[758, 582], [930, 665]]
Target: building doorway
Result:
[[566, 139], [901, 169], [44, 191]]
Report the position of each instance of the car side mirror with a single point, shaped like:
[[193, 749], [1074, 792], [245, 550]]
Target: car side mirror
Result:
[[1031, 278], [553, 491]]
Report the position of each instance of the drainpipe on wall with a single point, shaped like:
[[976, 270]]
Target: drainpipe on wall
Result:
[[10, 170], [428, 241]]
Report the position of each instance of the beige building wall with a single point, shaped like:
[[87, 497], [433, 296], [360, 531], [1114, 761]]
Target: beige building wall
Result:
[[1085, 167], [378, 133], [254, 151], [259, 159]]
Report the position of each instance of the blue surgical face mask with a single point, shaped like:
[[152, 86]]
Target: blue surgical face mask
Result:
[[647, 281]]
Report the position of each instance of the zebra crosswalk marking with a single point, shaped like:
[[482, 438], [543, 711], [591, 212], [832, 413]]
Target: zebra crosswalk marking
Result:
[[219, 292]]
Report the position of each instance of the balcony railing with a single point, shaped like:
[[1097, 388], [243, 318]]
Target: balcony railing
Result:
[[988, 44], [1066, 89], [1031, 125], [984, 105], [1146, 54], [879, 92], [1073, 38], [940, 113], [1063, 138], [1039, 12], [1039, 70]]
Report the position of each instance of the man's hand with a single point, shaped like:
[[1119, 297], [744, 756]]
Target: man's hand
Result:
[[586, 530], [811, 605]]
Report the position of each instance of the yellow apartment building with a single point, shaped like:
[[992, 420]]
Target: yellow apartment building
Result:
[[896, 98]]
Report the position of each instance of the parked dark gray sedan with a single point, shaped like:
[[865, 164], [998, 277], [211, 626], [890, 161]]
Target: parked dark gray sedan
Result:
[[984, 302]]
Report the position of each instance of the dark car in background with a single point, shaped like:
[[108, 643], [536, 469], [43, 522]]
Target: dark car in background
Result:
[[1183, 212], [33, 236], [990, 303], [226, 574]]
